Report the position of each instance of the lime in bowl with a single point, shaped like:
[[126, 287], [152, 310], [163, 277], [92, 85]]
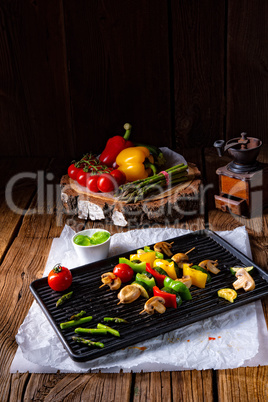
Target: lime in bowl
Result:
[[92, 245]]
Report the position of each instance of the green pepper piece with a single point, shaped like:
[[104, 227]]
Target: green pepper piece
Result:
[[143, 280], [136, 266], [147, 249], [178, 287], [202, 270], [160, 270], [159, 255], [173, 292]]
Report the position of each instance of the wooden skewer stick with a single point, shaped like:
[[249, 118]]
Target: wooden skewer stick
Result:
[[102, 285], [142, 311], [187, 252]]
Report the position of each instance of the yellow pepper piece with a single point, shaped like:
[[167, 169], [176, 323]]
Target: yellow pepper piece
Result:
[[198, 278], [133, 257], [131, 162], [167, 266], [141, 251], [146, 257]]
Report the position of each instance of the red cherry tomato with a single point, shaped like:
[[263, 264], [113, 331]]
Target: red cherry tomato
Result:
[[106, 183], [119, 176], [124, 272], [82, 178], [60, 278], [92, 183], [72, 171]]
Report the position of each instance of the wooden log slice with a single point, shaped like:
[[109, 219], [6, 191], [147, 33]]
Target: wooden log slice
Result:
[[169, 206]]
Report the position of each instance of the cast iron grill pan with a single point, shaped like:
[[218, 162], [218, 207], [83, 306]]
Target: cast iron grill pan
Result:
[[102, 302]]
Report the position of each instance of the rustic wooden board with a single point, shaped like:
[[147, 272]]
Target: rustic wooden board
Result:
[[199, 382], [152, 387], [24, 262], [166, 207], [21, 194]]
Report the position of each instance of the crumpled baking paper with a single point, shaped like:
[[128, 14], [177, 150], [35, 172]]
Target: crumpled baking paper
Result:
[[224, 341]]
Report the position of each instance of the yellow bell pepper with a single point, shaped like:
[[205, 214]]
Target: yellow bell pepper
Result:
[[167, 266], [198, 278], [132, 162], [144, 257]]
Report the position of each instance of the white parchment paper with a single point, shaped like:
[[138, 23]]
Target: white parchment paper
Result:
[[239, 337]]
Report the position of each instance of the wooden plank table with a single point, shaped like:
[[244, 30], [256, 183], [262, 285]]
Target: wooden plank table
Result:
[[24, 248]]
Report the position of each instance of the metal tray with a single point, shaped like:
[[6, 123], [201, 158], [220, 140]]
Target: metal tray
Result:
[[102, 302]]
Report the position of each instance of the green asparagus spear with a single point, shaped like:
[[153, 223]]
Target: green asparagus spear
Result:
[[77, 316], [63, 298], [95, 331], [108, 329], [75, 323], [87, 342], [137, 190], [114, 319]]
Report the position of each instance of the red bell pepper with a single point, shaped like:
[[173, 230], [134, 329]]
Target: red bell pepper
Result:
[[115, 145], [170, 299], [158, 277]]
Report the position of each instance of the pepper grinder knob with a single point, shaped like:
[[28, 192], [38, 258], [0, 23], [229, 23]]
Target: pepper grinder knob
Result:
[[243, 140]]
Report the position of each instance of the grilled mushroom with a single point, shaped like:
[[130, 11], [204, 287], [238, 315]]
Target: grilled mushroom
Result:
[[155, 303], [111, 280], [128, 294], [180, 259], [164, 247], [244, 280], [187, 280], [210, 265]]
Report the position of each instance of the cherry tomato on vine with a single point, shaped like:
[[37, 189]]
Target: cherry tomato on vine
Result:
[[119, 176], [106, 183], [82, 178], [92, 183], [60, 278], [72, 171], [124, 272]]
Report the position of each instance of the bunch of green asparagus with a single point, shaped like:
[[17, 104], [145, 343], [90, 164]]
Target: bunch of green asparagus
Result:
[[139, 189]]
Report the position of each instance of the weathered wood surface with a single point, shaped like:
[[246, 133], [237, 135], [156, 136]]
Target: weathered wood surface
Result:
[[182, 72], [24, 260], [167, 207]]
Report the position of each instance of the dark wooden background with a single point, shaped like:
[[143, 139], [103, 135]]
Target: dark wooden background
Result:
[[183, 72]]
